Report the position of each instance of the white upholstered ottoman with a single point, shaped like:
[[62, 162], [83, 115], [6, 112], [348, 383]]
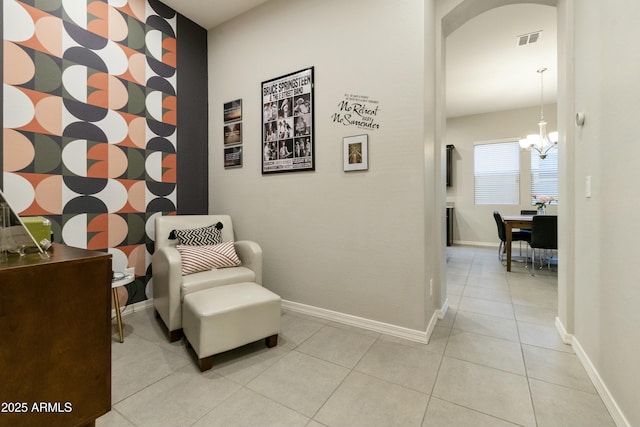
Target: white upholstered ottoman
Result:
[[225, 317]]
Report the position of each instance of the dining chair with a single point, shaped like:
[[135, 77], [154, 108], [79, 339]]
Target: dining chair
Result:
[[516, 236], [527, 212], [544, 235]]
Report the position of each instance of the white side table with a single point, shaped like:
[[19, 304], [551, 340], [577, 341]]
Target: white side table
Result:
[[125, 280]]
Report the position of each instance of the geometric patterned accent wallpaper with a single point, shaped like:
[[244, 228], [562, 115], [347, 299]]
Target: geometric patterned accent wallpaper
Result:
[[89, 123]]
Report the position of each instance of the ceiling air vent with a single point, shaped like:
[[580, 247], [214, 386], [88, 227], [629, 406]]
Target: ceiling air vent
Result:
[[528, 38]]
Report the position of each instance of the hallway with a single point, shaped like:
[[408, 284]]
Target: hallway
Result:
[[495, 360], [503, 325]]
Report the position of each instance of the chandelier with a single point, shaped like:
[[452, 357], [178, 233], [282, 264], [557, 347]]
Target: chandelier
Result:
[[541, 142]]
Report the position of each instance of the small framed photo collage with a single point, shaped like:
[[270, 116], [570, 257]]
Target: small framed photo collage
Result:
[[233, 134]]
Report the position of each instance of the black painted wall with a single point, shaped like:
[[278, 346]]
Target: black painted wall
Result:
[[192, 161]]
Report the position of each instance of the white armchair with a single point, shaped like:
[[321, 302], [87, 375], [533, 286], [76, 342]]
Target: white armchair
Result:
[[170, 286]]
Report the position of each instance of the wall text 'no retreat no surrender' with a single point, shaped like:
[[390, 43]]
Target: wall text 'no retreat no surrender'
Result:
[[357, 111]]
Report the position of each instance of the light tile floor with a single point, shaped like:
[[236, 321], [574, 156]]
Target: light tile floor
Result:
[[495, 360]]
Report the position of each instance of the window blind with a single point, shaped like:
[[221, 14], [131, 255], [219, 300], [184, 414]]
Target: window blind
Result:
[[497, 173], [544, 175]]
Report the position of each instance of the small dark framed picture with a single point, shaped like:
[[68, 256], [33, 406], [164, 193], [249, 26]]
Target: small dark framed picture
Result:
[[233, 157], [233, 111]]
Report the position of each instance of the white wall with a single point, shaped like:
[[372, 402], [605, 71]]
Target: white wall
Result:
[[607, 290], [360, 243], [354, 242], [474, 224]]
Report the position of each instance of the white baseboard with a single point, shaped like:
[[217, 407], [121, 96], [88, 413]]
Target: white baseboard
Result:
[[431, 325], [566, 337], [134, 308], [472, 243], [592, 372], [360, 322], [443, 311], [346, 319]]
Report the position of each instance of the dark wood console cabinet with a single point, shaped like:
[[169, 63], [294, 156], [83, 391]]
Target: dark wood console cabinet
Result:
[[55, 338]]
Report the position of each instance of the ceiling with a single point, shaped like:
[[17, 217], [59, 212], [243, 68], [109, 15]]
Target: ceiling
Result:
[[486, 70], [210, 13]]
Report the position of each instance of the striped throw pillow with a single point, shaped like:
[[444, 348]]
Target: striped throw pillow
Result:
[[210, 235], [207, 257]]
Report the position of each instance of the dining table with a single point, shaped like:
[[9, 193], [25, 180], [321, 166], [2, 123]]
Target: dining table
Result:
[[522, 222]]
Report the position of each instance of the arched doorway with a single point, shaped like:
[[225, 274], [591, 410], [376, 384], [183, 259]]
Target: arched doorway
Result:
[[448, 21]]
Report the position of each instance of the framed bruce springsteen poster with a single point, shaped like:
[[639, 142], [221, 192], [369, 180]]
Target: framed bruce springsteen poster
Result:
[[287, 123]]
